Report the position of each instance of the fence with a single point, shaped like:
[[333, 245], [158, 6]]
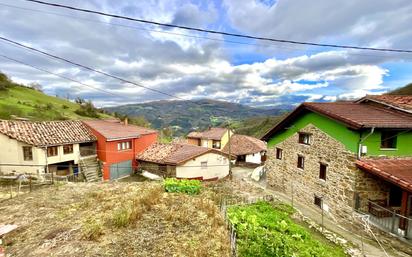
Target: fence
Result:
[[387, 219], [228, 201]]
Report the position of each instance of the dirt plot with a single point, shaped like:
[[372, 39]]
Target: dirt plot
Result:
[[114, 219]]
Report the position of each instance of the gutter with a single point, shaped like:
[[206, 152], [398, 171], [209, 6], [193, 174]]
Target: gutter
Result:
[[361, 140]]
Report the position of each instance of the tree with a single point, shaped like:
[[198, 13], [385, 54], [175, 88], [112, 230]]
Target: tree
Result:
[[36, 86]]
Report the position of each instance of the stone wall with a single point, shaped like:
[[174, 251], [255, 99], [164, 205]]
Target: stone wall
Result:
[[337, 191], [165, 171]]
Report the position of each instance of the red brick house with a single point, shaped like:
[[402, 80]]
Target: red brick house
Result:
[[118, 144]]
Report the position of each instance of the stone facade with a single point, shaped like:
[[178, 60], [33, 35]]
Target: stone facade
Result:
[[165, 171], [343, 178]]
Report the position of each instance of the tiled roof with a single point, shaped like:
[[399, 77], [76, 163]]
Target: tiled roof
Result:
[[212, 133], [115, 130], [396, 171], [172, 153], [242, 145], [403, 102], [47, 133], [353, 114]]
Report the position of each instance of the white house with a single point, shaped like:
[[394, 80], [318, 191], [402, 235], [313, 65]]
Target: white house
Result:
[[39, 147], [184, 161], [246, 149]]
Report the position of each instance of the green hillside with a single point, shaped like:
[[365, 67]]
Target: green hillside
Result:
[[406, 90], [21, 101], [256, 126]]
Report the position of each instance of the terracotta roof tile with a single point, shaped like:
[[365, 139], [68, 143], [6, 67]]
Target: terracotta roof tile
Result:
[[242, 145], [362, 115], [403, 102], [396, 171], [212, 133], [47, 132], [172, 153], [115, 130]]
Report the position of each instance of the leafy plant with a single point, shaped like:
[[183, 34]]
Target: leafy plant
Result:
[[191, 187], [264, 230]]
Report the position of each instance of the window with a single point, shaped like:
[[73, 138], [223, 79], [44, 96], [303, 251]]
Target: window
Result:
[[322, 171], [216, 144], [388, 139], [52, 151], [124, 145], [27, 153], [301, 162], [318, 201], [67, 149], [203, 165], [304, 138], [279, 153]]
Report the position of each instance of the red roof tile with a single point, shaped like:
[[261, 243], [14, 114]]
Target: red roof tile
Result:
[[115, 130], [212, 133], [173, 153], [402, 102], [396, 171], [242, 145], [353, 114], [47, 133]]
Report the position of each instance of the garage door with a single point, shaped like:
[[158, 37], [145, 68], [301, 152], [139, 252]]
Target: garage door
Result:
[[120, 169]]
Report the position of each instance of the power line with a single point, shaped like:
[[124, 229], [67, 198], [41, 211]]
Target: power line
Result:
[[219, 32], [58, 75], [271, 44], [89, 68]]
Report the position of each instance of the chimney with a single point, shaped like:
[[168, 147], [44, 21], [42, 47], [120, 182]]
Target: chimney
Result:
[[126, 121]]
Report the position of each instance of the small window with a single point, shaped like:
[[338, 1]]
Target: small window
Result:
[[124, 145], [388, 139], [318, 201], [322, 171], [279, 153], [27, 153], [52, 151], [304, 138], [67, 149], [216, 144], [203, 165], [301, 162]]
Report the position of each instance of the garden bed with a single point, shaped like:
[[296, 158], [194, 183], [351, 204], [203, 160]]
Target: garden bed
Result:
[[267, 229]]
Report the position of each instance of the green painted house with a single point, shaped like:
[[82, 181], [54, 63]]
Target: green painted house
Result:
[[343, 156]]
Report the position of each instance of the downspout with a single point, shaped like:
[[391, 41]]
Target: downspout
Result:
[[361, 140]]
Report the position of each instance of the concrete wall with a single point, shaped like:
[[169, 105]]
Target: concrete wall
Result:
[[217, 167], [254, 158]]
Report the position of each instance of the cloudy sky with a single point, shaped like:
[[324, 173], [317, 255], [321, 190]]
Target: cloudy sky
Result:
[[194, 65]]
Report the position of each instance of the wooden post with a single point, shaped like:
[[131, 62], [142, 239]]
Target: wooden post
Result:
[[404, 210], [30, 184]]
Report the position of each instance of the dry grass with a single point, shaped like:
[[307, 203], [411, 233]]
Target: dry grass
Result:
[[114, 219]]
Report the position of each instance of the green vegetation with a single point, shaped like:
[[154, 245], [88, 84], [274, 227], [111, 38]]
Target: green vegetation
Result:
[[264, 229], [191, 187], [29, 102], [186, 116], [256, 126], [406, 90]]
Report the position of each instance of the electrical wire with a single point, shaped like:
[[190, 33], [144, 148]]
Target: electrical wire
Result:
[[219, 32], [89, 68], [58, 75], [270, 44]]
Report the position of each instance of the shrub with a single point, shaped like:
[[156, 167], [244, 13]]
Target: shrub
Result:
[[92, 229], [121, 217], [191, 187]]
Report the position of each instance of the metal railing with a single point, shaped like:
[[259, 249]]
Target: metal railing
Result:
[[388, 220]]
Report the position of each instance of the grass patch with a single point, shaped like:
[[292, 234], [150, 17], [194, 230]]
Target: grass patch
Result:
[[191, 187], [267, 230], [92, 229]]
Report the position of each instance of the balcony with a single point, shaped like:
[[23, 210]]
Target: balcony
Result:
[[88, 149]]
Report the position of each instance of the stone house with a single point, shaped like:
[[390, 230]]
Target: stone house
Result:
[[248, 150], [184, 161], [57, 147], [343, 156]]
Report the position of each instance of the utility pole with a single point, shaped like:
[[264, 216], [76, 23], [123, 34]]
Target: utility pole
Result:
[[230, 152]]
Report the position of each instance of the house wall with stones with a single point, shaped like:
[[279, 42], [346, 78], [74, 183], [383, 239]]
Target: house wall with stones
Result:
[[343, 178], [165, 171]]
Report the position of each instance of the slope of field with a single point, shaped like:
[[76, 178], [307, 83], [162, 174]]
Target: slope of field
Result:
[[22, 101], [256, 126], [406, 90], [114, 219]]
